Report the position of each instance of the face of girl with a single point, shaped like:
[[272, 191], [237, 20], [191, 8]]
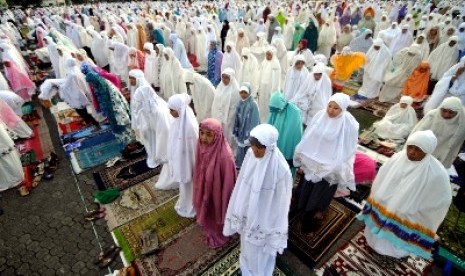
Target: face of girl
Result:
[[333, 109], [225, 79], [299, 65], [269, 55], [448, 114], [258, 152], [132, 81], [206, 136], [244, 95]]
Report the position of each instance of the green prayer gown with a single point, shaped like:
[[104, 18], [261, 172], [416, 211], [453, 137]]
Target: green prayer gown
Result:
[[287, 119]]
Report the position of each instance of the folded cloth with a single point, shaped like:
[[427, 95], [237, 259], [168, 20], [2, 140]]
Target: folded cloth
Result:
[[107, 196]]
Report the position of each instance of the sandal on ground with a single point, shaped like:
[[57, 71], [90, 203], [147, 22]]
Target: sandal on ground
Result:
[[107, 260], [36, 180], [103, 254], [23, 191], [94, 216]]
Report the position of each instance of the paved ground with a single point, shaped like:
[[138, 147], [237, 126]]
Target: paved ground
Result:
[[45, 234]]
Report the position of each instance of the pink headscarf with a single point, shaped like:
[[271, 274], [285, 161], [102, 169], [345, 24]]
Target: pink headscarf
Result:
[[8, 116], [214, 176]]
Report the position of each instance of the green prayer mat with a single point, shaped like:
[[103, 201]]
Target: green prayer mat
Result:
[[164, 220], [452, 232]]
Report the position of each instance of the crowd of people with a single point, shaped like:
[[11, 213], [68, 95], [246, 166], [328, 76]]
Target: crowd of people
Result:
[[235, 98]]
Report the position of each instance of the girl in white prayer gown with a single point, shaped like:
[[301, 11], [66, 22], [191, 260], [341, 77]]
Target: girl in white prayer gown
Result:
[[181, 145], [269, 82], [171, 75], [259, 205], [249, 71], [398, 121], [225, 102], [11, 170], [203, 94]]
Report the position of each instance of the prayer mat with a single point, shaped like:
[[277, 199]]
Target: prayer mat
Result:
[[364, 118], [163, 219], [378, 108], [452, 232], [229, 266], [371, 140], [351, 87], [88, 157], [68, 121], [136, 201], [186, 253], [125, 174], [312, 246], [357, 258]]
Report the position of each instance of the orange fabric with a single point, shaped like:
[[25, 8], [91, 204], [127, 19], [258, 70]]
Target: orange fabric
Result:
[[369, 11], [345, 65], [416, 85], [142, 37]]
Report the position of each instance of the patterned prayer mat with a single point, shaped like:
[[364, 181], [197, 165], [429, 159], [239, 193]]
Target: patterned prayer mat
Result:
[[89, 157], [115, 175], [186, 253], [136, 201], [312, 246], [229, 266], [371, 140], [452, 232], [378, 108], [68, 121], [164, 219], [357, 258]]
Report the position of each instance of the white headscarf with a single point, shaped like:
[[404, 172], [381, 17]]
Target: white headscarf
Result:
[[249, 71], [151, 64], [231, 59], [443, 58], [171, 75], [259, 205], [327, 149], [183, 138], [226, 98]]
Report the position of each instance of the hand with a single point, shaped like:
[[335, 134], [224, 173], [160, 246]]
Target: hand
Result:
[[460, 71]]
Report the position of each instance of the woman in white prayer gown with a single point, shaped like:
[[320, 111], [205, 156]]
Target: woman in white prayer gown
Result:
[[326, 39], [451, 84], [398, 121], [53, 55], [259, 47], [269, 82], [121, 59], [281, 55], [319, 90], [151, 64], [448, 124], [388, 35], [203, 94], [249, 71], [132, 35], [231, 58], [325, 156], [201, 48], [259, 205], [288, 33], [98, 49], [402, 66], [409, 199], [225, 102], [401, 41], [11, 170], [182, 143], [378, 60], [242, 41], [443, 58], [171, 75], [13, 100], [152, 120], [424, 46], [296, 86]]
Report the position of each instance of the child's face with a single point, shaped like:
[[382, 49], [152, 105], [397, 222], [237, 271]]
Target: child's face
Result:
[[206, 136], [244, 95]]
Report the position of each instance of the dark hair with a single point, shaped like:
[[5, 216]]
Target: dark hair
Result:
[[254, 142]]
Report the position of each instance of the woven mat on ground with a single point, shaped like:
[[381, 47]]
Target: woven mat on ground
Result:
[[164, 219], [68, 121], [136, 201], [452, 232], [351, 87], [186, 253], [115, 176], [229, 266], [378, 108], [357, 258], [312, 246]]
